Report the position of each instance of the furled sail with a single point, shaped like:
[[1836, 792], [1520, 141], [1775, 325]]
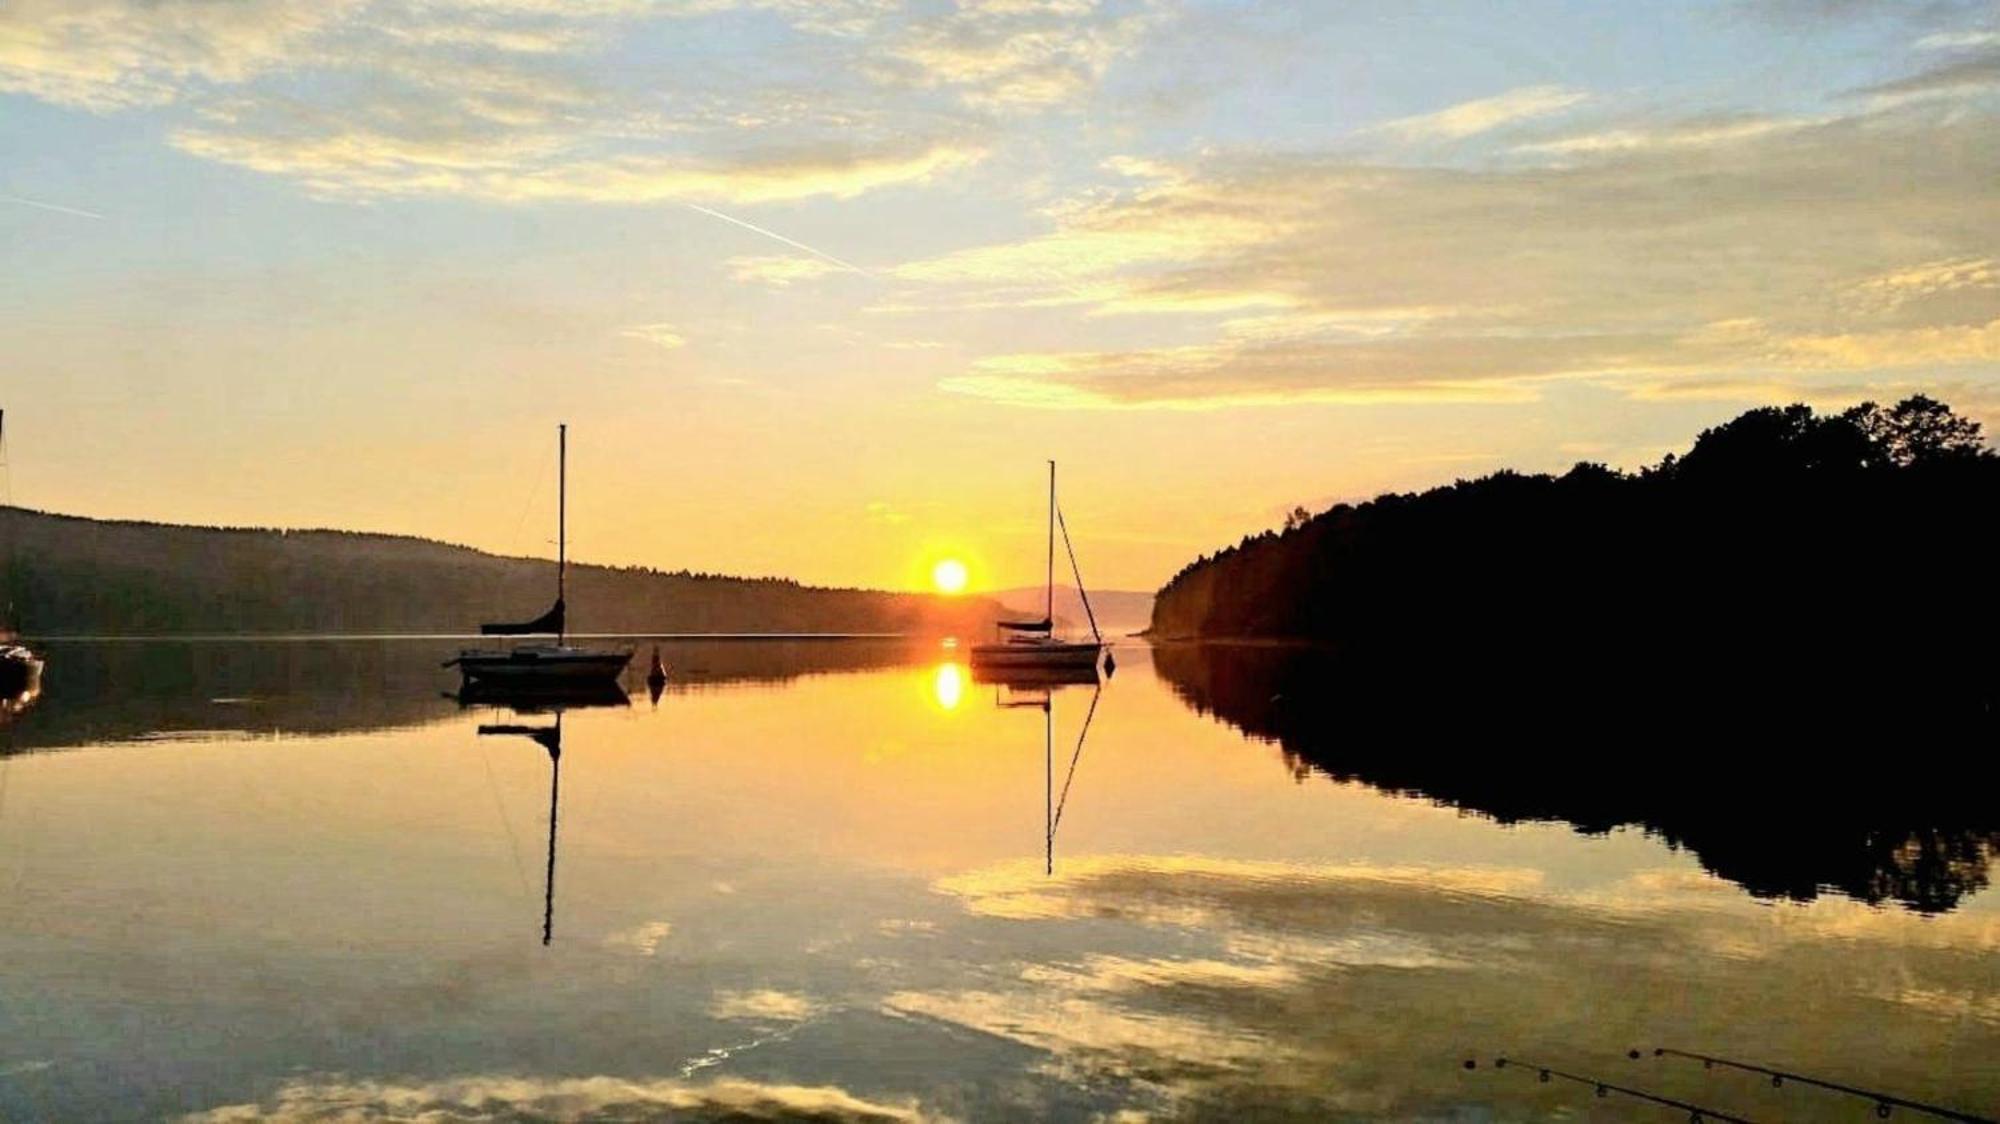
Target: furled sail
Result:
[[551, 622], [1043, 625]]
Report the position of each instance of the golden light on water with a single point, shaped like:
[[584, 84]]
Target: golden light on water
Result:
[[949, 575], [948, 686]]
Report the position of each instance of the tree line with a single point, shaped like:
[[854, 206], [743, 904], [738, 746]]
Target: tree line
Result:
[[67, 575], [1783, 538]]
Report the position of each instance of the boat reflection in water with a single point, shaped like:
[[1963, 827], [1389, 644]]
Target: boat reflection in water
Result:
[[543, 699], [1036, 689]]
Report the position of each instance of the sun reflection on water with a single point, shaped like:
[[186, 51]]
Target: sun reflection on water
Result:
[[948, 686]]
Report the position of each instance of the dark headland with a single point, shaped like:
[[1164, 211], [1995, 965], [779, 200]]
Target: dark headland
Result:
[[1784, 547]]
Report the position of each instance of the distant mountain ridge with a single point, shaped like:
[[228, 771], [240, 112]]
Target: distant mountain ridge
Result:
[[1119, 611], [73, 575]]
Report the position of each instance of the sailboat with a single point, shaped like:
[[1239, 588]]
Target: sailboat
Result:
[[1033, 645], [543, 665], [20, 667]]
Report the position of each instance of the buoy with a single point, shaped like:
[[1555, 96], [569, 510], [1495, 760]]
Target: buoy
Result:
[[656, 676]]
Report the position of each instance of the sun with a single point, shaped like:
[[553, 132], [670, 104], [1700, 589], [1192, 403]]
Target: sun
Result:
[[949, 576]]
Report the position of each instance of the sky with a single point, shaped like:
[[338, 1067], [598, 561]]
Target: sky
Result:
[[820, 286]]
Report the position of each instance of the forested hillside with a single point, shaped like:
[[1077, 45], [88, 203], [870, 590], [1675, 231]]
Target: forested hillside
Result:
[[67, 576], [1782, 537]]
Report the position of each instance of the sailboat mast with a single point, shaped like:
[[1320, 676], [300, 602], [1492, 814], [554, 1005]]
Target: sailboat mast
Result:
[[1049, 602], [562, 526]]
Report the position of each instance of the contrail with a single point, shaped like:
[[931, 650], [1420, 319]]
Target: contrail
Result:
[[56, 207], [772, 234]]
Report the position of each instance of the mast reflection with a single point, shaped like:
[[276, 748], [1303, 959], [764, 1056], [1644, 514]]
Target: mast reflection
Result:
[[1035, 689], [541, 700]]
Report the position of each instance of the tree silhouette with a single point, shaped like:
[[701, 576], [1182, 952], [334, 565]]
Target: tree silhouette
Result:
[[1919, 430], [1852, 548]]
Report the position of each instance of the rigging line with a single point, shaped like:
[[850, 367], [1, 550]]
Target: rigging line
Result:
[[1074, 758], [1694, 1111], [513, 842], [1883, 1101], [1078, 574], [534, 493]]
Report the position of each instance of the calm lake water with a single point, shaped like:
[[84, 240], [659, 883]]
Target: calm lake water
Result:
[[295, 880]]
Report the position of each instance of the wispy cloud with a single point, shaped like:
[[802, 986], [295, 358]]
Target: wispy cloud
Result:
[[500, 100], [346, 160], [1483, 115], [783, 270], [1977, 74], [1324, 279], [763, 1005], [1959, 40], [1015, 55], [1701, 132], [570, 1098], [659, 335], [107, 54]]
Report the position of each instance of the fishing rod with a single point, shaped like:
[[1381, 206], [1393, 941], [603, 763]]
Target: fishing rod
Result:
[[1696, 1113], [1885, 1103]]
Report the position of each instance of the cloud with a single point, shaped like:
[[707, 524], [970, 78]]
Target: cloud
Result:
[[1416, 961], [780, 271], [1892, 290], [338, 158], [762, 1006], [1015, 54], [1959, 40], [1483, 115], [1701, 132], [844, 18], [992, 55], [109, 54], [499, 100], [1321, 277], [1979, 74], [1952, 346], [1811, 13], [501, 1098], [643, 939]]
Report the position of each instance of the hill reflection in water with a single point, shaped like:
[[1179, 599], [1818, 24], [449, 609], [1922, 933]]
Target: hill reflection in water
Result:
[[119, 690], [1786, 790]]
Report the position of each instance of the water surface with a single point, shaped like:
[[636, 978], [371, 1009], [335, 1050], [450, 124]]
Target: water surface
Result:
[[296, 881]]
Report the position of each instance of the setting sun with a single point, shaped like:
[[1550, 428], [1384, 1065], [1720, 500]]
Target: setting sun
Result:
[[949, 576]]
